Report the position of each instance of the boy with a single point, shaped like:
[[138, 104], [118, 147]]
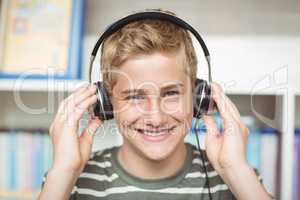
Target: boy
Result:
[[151, 94]]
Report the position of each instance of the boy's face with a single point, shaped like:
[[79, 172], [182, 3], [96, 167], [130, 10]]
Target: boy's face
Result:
[[152, 101]]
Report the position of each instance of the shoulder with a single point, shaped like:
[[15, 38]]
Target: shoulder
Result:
[[98, 172], [102, 155], [99, 162], [199, 156], [201, 165], [203, 173]]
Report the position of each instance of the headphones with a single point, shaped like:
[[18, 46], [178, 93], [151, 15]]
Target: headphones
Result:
[[202, 100]]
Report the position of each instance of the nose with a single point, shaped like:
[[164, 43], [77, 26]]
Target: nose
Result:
[[155, 117]]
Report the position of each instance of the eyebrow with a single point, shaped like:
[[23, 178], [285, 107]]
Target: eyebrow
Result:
[[143, 91]]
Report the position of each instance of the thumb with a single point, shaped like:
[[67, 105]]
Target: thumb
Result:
[[212, 139], [86, 138], [212, 131]]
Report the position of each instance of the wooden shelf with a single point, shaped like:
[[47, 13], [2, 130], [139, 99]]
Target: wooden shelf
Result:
[[39, 85]]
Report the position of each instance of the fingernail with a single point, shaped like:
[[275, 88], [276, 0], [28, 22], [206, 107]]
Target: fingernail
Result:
[[90, 130]]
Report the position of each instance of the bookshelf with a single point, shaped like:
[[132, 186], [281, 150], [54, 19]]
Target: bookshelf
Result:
[[297, 110], [51, 85], [254, 48]]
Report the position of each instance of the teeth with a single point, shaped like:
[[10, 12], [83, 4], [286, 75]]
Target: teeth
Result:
[[153, 133]]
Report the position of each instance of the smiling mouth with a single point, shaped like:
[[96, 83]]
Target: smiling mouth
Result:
[[156, 132]]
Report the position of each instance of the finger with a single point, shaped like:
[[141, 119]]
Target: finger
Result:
[[58, 121], [79, 90], [233, 108], [79, 96], [65, 102], [69, 105], [224, 106], [64, 108], [85, 94], [83, 85], [232, 125], [86, 138], [76, 112], [245, 132], [211, 125], [244, 129], [91, 128], [212, 139]]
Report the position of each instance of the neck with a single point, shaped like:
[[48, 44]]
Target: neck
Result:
[[149, 169]]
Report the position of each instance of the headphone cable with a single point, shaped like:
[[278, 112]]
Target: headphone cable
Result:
[[202, 158]]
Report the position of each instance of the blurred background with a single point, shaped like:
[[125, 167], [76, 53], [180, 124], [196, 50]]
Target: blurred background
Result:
[[44, 53]]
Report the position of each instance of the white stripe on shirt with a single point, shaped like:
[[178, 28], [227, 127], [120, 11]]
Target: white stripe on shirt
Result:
[[104, 164], [198, 161], [202, 175], [126, 189], [99, 177]]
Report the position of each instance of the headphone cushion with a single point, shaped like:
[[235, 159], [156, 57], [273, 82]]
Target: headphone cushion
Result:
[[202, 98], [103, 108]]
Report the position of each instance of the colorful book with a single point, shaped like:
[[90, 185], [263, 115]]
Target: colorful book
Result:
[[254, 142], [45, 36], [296, 170], [269, 158]]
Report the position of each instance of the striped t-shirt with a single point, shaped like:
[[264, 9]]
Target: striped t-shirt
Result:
[[105, 178]]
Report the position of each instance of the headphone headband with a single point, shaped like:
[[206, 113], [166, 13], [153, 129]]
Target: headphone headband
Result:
[[149, 15]]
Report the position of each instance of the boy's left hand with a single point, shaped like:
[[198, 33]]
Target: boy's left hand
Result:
[[227, 150]]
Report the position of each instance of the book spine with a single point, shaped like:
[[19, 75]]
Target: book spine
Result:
[[3, 161], [12, 162], [254, 148], [296, 167], [269, 156]]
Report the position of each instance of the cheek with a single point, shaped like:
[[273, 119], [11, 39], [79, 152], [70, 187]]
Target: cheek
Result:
[[126, 113], [181, 107]]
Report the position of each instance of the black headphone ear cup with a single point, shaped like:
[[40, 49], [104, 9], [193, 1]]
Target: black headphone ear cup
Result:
[[103, 108], [202, 100]]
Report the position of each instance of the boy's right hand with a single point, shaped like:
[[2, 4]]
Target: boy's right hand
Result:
[[71, 151]]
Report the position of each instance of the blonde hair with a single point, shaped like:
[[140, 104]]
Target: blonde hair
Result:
[[145, 37]]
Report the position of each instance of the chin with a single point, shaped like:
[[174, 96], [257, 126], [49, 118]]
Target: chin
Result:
[[155, 148], [158, 151]]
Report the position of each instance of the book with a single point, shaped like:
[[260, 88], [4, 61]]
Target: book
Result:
[[41, 39], [296, 167], [269, 158], [25, 158], [253, 143]]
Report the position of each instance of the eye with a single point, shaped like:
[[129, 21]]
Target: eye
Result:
[[135, 97], [171, 93]]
